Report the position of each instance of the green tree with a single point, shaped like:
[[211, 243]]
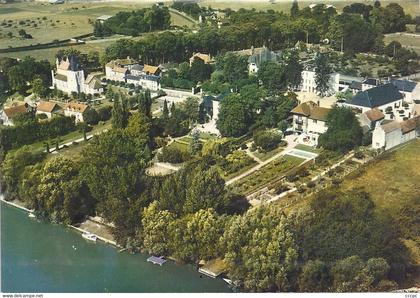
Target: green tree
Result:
[[273, 76], [156, 229], [344, 132], [38, 87], [207, 190], [314, 277], [234, 118], [322, 73], [294, 10], [117, 114], [195, 143]]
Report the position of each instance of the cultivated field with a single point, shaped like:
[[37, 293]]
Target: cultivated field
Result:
[[46, 22]]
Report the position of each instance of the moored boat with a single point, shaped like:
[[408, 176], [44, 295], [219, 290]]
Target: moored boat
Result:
[[89, 236], [31, 215]]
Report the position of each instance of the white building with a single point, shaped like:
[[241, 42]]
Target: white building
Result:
[[47, 108], [7, 114], [409, 89], [75, 110], [370, 118], [393, 133], [385, 98], [70, 77], [128, 71], [337, 82], [310, 119]]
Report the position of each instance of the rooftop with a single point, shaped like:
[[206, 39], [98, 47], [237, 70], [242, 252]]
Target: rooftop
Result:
[[312, 111], [374, 115], [376, 96], [404, 85], [77, 107], [16, 110], [47, 106]]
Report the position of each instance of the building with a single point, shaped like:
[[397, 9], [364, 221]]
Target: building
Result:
[[206, 58], [129, 71], [103, 19], [337, 82], [70, 77], [257, 56], [392, 133], [385, 97], [47, 108], [75, 110], [370, 118], [407, 88], [150, 82], [310, 119], [93, 85], [370, 83], [7, 114]]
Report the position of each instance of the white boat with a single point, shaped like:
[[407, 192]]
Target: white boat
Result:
[[89, 236], [31, 215], [228, 281]]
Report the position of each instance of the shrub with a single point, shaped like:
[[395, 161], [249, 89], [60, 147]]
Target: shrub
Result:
[[280, 189], [311, 184], [266, 140], [292, 178], [173, 154], [359, 155]]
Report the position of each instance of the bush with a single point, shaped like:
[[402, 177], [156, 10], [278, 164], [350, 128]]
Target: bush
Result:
[[266, 140], [311, 184], [104, 113], [173, 154], [292, 178], [280, 189], [359, 155]]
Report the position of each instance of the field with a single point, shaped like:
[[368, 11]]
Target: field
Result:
[[46, 22], [266, 174], [410, 6], [410, 41]]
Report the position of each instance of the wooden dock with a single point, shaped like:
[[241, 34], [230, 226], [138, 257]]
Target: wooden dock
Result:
[[156, 260]]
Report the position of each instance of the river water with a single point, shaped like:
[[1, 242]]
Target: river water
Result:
[[38, 256]]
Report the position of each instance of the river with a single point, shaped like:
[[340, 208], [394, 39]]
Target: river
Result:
[[37, 256]]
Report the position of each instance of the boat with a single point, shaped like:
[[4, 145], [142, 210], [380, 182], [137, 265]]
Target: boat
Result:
[[228, 281], [31, 215], [89, 236], [157, 260]]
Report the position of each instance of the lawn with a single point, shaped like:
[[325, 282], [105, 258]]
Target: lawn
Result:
[[180, 145], [266, 155], [308, 148], [266, 174], [407, 41]]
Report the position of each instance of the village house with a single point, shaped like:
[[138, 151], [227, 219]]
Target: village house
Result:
[[128, 71], [369, 119], [337, 82], [102, 19], [393, 133], [70, 77], [257, 56], [370, 83], [310, 120], [75, 110], [7, 114], [409, 89], [47, 108], [385, 98], [206, 58]]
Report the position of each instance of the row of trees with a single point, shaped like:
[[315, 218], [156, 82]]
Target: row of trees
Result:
[[135, 22]]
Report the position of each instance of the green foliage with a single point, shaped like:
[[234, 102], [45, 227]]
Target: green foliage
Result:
[[12, 169], [322, 73], [174, 154], [266, 140], [314, 277], [195, 143], [135, 22], [260, 251], [234, 118], [344, 132]]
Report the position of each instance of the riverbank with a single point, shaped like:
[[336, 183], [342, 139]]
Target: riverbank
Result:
[[88, 226]]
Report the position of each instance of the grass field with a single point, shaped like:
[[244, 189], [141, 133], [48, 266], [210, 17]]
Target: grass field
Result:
[[410, 41], [62, 21], [410, 6]]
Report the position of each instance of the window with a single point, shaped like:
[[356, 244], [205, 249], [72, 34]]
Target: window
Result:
[[314, 121]]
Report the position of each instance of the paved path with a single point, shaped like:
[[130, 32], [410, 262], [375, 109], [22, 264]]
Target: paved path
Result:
[[70, 143], [290, 145], [168, 166]]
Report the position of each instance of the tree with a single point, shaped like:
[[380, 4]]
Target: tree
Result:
[[294, 10], [195, 143], [199, 71], [233, 67], [112, 168], [206, 191], [322, 73], [156, 229], [314, 277], [344, 131], [234, 118], [91, 117], [273, 76], [61, 193], [139, 129], [190, 107], [119, 114], [266, 140], [165, 110], [260, 251], [38, 87]]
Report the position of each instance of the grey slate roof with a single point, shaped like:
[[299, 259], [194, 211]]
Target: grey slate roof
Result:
[[356, 85], [370, 81], [376, 96], [404, 85]]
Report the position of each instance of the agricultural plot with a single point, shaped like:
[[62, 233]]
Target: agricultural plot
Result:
[[266, 174]]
